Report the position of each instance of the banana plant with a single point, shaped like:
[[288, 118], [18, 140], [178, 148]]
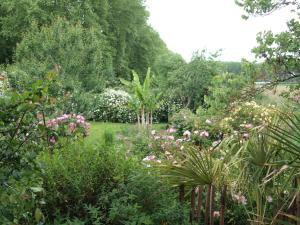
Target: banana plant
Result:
[[143, 100]]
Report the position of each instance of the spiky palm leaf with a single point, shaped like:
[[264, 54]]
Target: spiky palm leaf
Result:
[[195, 168], [287, 135]]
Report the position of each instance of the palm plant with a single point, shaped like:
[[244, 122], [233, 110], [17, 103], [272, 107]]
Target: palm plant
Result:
[[261, 175], [287, 136], [197, 168]]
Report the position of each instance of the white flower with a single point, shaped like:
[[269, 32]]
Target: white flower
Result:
[[153, 132], [269, 199], [196, 132], [167, 153], [208, 121], [187, 133]]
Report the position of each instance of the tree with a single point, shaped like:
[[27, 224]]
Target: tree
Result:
[[132, 43], [281, 51], [75, 52], [189, 83]]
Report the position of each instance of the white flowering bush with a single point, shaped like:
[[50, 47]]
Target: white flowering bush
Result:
[[112, 106]]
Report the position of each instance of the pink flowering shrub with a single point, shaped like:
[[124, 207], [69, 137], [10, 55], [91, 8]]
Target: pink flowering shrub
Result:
[[67, 126]]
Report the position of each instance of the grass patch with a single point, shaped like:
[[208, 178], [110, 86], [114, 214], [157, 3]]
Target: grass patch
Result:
[[99, 129]]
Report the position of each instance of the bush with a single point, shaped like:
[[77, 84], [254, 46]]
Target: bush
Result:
[[81, 175], [145, 199], [184, 120], [112, 106], [21, 139], [245, 116]]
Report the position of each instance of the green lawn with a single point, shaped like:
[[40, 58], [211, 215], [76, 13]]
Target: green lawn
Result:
[[97, 129]]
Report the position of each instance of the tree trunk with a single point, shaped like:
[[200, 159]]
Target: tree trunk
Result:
[[143, 116], [192, 214], [207, 206], [223, 205], [138, 119], [212, 204], [151, 118], [147, 118], [199, 203]]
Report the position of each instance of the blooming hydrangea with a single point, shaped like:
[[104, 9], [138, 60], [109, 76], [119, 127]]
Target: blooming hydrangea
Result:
[[67, 125]]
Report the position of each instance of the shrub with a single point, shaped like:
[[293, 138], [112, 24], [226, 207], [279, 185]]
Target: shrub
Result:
[[79, 175], [184, 120], [145, 199], [112, 106], [245, 116], [21, 139]]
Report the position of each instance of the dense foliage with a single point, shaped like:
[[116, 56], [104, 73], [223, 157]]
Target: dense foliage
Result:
[[224, 153]]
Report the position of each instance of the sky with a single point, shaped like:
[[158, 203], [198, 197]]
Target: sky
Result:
[[190, 25]]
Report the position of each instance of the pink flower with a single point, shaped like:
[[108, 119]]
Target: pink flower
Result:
[[52, 140], [240, 198], [216, 214], [149, 158], [204, 134], [215, 143], [248, 126], [170, 138], [172, 130], [72, 127], [80, 117]]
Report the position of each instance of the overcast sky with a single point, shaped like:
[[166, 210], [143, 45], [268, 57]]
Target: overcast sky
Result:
[[190, 25]]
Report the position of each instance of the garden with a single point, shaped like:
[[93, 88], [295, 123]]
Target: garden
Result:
[[102, 124]]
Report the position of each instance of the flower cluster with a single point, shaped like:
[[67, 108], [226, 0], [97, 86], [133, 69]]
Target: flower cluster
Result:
[[67, 125], [239, 198], [168, 143], [247, 116]]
